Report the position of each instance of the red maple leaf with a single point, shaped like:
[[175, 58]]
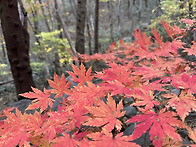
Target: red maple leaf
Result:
[[149, 72], [188, 21], [145, 99], [65, 140], [192, 134], [142, 39], [172, 30], [157, 36], [106, 139], [106, 115], [80, 76], [16, 129], [183, 103], [192, 50], [185, 81], [59, 85], [42, 99], [161, 125], [118, 79], [88, 94]]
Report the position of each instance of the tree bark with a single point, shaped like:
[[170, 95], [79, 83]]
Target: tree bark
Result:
[[25, 18], [80, 26], [73, 7], [66, 33], [44, 15], [96, 34], [17, 44], [110, 10]]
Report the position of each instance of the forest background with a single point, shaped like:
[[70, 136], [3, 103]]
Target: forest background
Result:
[[56, 27]]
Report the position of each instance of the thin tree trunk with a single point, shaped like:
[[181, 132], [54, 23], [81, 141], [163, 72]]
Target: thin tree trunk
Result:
[[66, 33], [51, 18], [80, 26], [90, 30], [25, 18], [148, 11], [110, 10], [56, 57], [159, 11], [44, 15], [73, 7], [17, 44], [181, 5], [96, 34], [140, 11], [120, 17]]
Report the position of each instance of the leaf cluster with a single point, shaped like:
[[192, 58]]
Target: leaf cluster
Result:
[[90, 116]]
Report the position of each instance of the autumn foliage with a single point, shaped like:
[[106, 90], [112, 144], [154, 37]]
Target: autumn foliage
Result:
[[90, 116]]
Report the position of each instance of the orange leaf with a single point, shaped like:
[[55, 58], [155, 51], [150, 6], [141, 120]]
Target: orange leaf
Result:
[[106, 115]]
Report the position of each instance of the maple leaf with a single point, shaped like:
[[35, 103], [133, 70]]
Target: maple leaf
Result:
[[106, 115], [65, 140], [161, 125], [192, 133], [15, 129], [142, 39], [112, 47], [107, 140], [157, 36], [145, 99], [80, 76], [172, 31], [148, 72], [188, 21], [183, 103], [59, 85], [88, 94], [192, 50], [185, 81], [42, 99], [118, 79]]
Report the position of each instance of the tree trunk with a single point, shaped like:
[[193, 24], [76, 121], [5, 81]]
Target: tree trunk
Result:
[[110, 10], [17, 44], [66, 33], [80, 26], [120, 17], [24, 17], [96, 34], [44, 15], [73, 7]]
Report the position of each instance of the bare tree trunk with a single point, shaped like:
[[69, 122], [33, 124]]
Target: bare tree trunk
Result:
[[181, 5], [50, 12], [44, 15], [96, 34], [90, 30], [66, 33], [56, 57], [73, 7], [159, 11], [25, 18], [140, 11], [80, 26], [148, 11], [17, 44], [120, 17], [110, 10]]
